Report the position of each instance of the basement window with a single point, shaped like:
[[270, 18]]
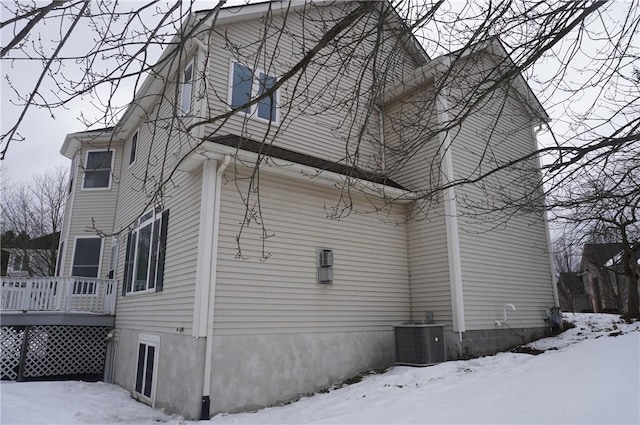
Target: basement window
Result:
[[146, 370]]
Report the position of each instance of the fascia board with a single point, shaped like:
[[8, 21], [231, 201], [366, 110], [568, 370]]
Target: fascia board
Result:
[[244, 12], [73, 141]]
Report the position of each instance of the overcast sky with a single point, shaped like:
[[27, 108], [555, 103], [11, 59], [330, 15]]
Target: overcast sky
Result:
[[45, 131]]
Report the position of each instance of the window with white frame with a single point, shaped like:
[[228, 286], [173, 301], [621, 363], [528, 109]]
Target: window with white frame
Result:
[[144, 260], [86, 257], [20, 262], [134, 147], [72, 174], [186, 80], [247, 84], [146, 369], [97, 172]]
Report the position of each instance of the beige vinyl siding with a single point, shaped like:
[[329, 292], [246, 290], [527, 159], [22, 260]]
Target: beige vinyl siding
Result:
[[413, 160], [429, 265], [281, 295], [172, 308], [321, 114], [93, 210], [412, 147], [504, 257]]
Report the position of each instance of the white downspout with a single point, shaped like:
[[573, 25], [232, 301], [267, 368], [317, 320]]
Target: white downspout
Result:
[[451, 219], [213, 266], [545, 219]]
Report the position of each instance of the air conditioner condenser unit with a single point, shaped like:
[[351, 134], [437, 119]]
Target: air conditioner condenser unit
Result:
[[420, 344]]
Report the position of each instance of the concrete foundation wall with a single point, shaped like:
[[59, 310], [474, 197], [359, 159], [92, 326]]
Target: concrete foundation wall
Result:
[[253, 371], [180, 370], [489, 341]]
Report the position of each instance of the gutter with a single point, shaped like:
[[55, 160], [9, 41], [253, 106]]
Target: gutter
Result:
[[213, 265]]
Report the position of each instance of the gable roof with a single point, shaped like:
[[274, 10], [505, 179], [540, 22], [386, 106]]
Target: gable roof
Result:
[[599, 254], [153, 82], [428, 73], [242, 12]]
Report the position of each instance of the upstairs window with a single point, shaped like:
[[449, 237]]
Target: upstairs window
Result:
[[187, 85], [144, 260], [134, 148], [72, 174], [246, 85], [97, 173]]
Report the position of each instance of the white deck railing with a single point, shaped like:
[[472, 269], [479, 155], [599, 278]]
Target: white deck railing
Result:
[[63, 294]]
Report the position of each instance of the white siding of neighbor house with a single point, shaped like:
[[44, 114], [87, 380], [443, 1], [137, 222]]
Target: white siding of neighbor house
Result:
[[281, 294], [319, 107], [503, 261], [93, 210], [172, 308], [419, 168]]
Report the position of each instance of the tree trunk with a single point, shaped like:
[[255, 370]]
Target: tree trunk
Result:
[[631, 272]]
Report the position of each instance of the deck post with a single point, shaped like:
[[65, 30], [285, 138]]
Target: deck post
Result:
[[67, 299], [23, 354]]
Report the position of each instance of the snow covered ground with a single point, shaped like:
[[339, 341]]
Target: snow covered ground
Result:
[[587, 375]]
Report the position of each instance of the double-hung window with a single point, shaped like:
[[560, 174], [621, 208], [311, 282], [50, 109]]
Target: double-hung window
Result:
[[72, 174], [97, 173], [144, 260], [247, 84], [134, 147], [186, 80], [20, 262]]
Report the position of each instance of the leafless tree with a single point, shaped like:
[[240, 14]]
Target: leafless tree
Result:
[[580, 57], [32, 214], [604, 205]]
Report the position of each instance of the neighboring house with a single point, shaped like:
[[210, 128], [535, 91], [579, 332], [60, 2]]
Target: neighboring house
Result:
[[216, 316], [33, 258], [603, 277], [573, 297]]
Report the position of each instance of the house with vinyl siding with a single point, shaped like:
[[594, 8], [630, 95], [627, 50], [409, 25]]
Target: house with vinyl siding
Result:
[[277, 255]]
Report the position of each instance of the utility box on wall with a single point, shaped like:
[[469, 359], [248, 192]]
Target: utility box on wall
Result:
[[420, 344], [325, 266]]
